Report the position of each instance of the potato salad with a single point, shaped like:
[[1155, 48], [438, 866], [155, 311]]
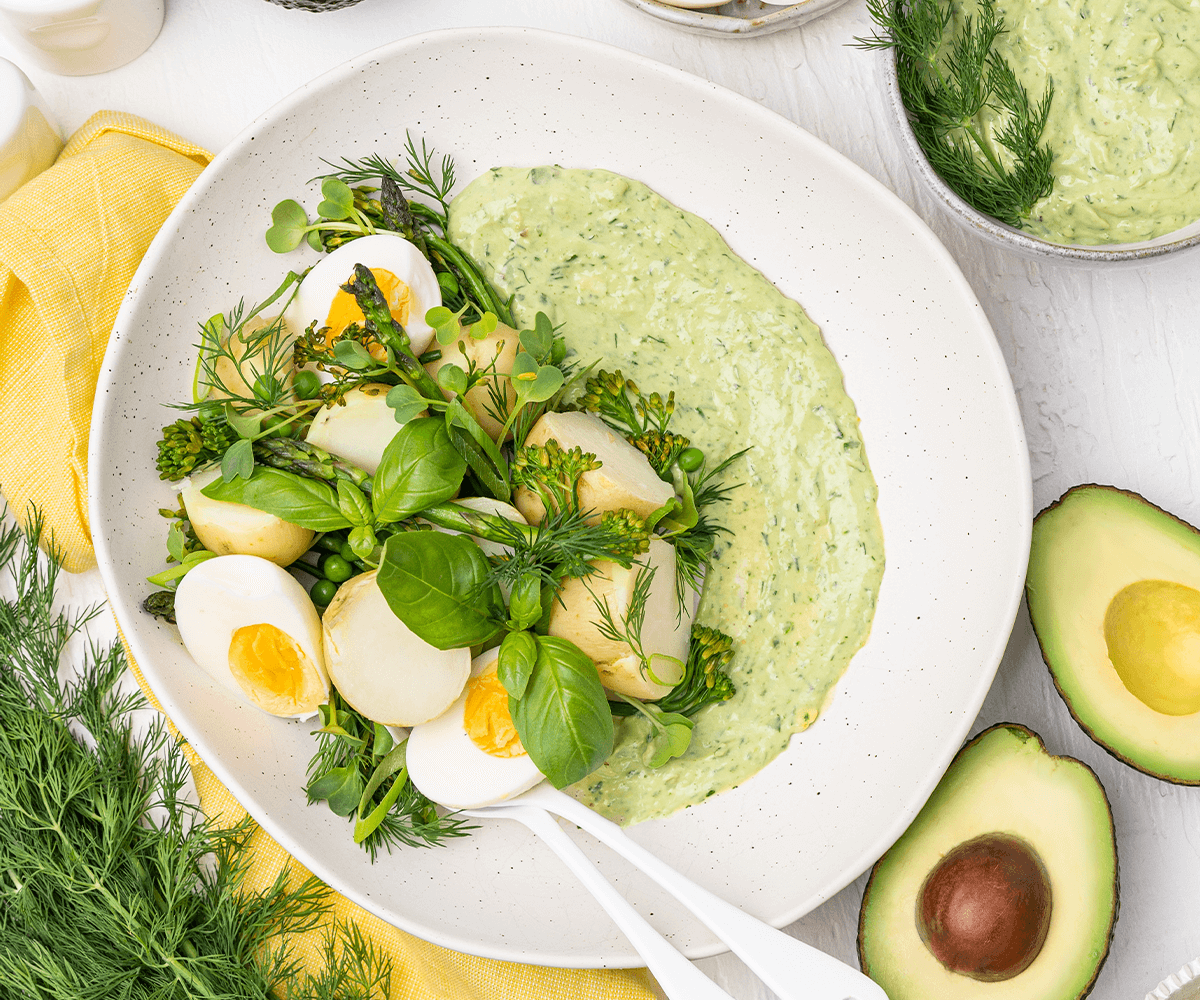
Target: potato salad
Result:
[[458, 549]]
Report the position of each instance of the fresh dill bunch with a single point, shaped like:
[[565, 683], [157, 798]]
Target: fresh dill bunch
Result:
[[946, 87], [188, 444], [359, 771], [552, 472], [628, 628], [111, 884]]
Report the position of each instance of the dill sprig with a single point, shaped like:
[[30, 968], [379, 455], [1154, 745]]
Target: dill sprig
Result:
[[360, 772], [945, 87], [111, 884]]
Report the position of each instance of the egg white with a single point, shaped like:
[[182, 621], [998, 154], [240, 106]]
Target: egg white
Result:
[[380, 251], [225, 593], [445, 763]]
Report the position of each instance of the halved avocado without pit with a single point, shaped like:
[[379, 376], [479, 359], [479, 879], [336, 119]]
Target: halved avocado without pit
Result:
[[1005, 885], [1114, 596]]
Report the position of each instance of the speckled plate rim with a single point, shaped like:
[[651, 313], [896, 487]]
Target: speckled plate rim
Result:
[[1004, 236], [872, 692], [727, 26]]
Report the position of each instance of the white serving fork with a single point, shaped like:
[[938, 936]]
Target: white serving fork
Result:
[[791, 968]]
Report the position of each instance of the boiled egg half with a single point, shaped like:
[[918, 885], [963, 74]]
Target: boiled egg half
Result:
[[250, 625], [471, 756], [402, 273]]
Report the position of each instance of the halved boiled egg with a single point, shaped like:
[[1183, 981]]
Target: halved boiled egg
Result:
[[401, 271], [471, 756], [249, 624]]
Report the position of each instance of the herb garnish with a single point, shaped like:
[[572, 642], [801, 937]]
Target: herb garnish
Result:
[[110, 883], [945, 89]]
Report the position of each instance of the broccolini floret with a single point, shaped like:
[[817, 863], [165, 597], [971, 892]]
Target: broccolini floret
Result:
[[187, 444], [552, 472], [704, 678]]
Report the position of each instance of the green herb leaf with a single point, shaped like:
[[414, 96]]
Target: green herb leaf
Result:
[[364, 543], [452, 378], [406, 401], [339, 200], [353, 504], [393, 761], [420, 467], [175, 541], [238, 460], [563, 717], [671, 741], [478, 449], [341, 789], [309, 503], [383, 741], [170, 577], [445, 324], [525, 604], [532, 382], [515, 663], [483, 327], [288, 225], [432, 583], [352, 355]]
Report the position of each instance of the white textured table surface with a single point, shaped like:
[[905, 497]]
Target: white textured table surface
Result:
[[1105, 364]]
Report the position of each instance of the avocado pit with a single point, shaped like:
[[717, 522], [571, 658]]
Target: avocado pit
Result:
[[1152, 630], [984, 909]]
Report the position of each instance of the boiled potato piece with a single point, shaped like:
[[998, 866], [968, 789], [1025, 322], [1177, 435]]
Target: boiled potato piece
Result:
[[379, 666], [501, 344], [226, 370], [666, 629], [359, 431], [625, 480], [235, 529]]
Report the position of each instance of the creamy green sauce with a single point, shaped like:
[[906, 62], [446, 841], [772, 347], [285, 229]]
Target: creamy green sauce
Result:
[[645, 287], [1125, 118]]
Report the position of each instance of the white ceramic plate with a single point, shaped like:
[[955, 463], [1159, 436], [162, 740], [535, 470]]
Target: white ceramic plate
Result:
[[939, 421]]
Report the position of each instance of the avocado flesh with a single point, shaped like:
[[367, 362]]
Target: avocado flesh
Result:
[[1002, 782], [1113, 590]]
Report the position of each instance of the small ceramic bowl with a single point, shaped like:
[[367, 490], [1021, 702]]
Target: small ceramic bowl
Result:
[[1183, 985], [1000, 235], [735, 18], [29, 139]]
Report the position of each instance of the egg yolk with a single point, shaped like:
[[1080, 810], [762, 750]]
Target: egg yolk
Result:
[[486, 718], [276, 674], [343, 310]]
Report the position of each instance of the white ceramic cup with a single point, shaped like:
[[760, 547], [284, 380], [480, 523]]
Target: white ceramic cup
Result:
[[81, 37], [29, 139]]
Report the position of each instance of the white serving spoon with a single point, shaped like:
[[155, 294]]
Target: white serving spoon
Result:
[[791, 968], [677, 977]]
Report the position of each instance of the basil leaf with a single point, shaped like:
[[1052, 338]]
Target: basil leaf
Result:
[[353, 504], [419, 467], [175, 542], [309, 503], [563, 718], [525, 604], [518, 653], [431, 582]]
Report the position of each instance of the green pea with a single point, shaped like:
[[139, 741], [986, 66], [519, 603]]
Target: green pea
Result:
[[336, 569], [448, 283], [280, 425], [690, 459], [323, 591], [306, 385], [347, 553]]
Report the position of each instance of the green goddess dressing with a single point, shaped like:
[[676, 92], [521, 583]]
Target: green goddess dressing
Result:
[[645, 287], [1124, 121]]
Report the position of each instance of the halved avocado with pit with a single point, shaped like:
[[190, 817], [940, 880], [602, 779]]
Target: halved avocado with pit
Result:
[[1005, 885], [1114, 596]]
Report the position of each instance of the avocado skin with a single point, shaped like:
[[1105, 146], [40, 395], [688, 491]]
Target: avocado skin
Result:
[[1124, 754], [971, 988]]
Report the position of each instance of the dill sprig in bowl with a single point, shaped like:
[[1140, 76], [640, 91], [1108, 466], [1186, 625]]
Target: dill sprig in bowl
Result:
[[939, 76]]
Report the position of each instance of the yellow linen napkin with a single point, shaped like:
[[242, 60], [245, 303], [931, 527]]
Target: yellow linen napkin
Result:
[[70, 241]]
